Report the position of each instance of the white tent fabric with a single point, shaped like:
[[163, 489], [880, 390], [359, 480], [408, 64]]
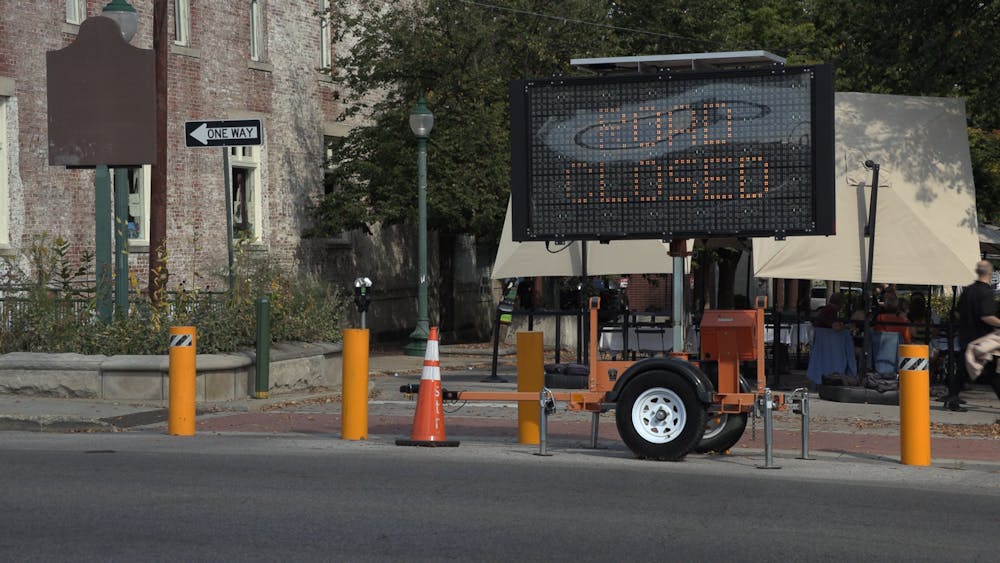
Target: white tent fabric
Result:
[[530, 259], [926, 231]]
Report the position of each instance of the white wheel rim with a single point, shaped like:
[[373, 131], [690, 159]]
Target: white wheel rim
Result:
[[658, 415], [714, 425]]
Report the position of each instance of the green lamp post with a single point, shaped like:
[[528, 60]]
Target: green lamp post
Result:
[[421, 123], [122, 13]]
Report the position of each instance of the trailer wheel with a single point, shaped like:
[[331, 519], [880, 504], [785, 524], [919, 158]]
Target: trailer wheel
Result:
[[659, 416], [722, 431]]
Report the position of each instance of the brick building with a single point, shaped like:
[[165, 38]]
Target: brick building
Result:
[[228, 59]]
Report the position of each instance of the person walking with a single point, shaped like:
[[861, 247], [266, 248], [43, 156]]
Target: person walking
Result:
[[976, 318]]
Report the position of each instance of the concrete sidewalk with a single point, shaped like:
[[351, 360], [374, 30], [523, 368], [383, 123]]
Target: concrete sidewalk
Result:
[[836, 429]]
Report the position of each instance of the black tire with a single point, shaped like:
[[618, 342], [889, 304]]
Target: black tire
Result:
[[722, 432], [647, 398], [566, 381]]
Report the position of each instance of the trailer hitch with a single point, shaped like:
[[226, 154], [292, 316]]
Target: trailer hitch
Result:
[[414, 389]]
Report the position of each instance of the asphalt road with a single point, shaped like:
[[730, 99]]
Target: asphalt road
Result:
[[150, 497]]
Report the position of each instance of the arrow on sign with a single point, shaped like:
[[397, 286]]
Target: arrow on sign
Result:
[[204, 133]]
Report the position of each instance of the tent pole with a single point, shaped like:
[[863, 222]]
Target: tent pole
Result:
[[870, 233]]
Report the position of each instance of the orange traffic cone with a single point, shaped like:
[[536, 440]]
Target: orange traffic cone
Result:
[[428, 422]]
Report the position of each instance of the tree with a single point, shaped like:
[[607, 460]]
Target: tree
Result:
[[462, 55]]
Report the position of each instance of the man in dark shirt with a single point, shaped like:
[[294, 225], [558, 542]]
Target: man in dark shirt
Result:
[[976, 318]]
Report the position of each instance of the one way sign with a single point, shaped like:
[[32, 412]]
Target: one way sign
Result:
[[234, 132]]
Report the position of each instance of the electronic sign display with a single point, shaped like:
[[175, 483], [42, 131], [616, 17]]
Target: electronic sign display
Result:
[[673, 155]]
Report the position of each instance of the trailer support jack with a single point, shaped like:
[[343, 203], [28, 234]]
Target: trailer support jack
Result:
[[800, 406], [767, 406], [546, 405]]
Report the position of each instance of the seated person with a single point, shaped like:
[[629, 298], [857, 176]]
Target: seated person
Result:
[[890, 321], [828, 315]]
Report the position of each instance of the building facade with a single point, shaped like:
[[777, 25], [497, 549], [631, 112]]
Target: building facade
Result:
[[228, 59]]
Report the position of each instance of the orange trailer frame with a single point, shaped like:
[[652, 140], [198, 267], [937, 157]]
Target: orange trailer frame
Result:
[[728, 337]]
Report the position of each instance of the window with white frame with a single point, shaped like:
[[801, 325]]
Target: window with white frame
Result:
[[139, 179], [76, 11], [182, 22], [324, 34], [256, 30], [4, 172], [244, 177]]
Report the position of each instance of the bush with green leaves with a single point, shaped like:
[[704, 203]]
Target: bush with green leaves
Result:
[[48, 304]]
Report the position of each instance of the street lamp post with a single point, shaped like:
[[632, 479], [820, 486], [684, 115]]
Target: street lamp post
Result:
[[421, 123], [122, 13]]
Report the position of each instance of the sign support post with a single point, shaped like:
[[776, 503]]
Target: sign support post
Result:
[[225, 134], [102, 241], [229, 215]]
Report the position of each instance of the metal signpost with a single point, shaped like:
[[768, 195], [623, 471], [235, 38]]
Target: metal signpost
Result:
[[225, 134]]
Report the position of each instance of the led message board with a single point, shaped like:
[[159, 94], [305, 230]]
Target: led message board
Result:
[[673, 155]]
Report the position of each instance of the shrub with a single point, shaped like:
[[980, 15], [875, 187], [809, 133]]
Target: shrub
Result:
[[50, 306]]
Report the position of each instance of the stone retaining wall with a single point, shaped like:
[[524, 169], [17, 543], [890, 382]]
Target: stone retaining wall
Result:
[[220, 377]]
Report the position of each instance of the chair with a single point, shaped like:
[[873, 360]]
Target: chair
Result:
[[883, 356]]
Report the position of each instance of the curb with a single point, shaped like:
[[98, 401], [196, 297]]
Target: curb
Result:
[[62, 424]]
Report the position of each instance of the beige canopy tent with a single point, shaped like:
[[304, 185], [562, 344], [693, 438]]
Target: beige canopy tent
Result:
[[926, 230], [530, 259]]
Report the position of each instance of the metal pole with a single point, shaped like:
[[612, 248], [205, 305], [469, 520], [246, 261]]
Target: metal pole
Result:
[[558, 338], [493, 377], [263, 363], [595, 421], [870, 232], [418, 338], [121, 241], [102, 242], [768, 428], [543, 424], [804, 398], [229, 215]]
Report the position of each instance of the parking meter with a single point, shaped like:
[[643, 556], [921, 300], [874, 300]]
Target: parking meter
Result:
[[362, 287], [506, 306]]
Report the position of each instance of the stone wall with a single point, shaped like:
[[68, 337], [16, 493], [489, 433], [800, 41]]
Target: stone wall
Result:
[[219, 377]]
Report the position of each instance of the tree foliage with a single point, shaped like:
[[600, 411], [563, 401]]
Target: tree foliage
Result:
[[463, 53]]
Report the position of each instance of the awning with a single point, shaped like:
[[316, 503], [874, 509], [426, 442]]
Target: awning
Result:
[[926, 229], [530, 259]]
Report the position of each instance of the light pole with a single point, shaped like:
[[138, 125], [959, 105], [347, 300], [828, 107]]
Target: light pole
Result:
[[122, 13], [421, 123]]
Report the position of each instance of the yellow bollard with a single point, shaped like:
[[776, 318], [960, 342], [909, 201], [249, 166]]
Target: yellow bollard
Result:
[[914, 406], [181, 409], [354, 406], [531, 378]]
